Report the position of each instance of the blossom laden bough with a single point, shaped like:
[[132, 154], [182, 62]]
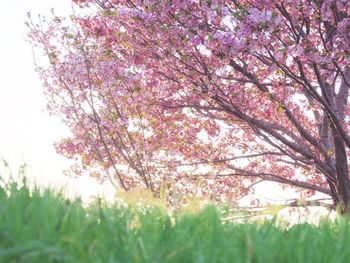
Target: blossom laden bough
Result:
[[251, 90]]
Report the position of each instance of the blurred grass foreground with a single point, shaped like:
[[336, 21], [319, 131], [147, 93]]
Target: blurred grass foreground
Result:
[[43, 226]]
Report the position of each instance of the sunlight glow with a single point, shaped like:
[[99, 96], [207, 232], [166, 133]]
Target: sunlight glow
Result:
[[27, 133]]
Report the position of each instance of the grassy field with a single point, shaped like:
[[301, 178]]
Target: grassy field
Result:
[[45, 227]]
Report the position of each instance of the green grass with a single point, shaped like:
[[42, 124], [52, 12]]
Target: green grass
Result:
[[45, 227]]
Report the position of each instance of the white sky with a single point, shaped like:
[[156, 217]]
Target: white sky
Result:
[[27, 133]]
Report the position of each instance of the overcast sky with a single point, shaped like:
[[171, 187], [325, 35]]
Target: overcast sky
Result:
[[27, 133]]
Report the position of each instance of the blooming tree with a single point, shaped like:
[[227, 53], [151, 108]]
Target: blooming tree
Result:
[[216, 95]]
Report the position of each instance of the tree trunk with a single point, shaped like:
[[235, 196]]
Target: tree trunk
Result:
[[342, 175]]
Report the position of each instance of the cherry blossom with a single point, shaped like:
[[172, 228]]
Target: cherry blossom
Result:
[[204, 96]]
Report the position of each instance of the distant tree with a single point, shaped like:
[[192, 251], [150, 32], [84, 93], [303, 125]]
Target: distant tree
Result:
[[250, 90]]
